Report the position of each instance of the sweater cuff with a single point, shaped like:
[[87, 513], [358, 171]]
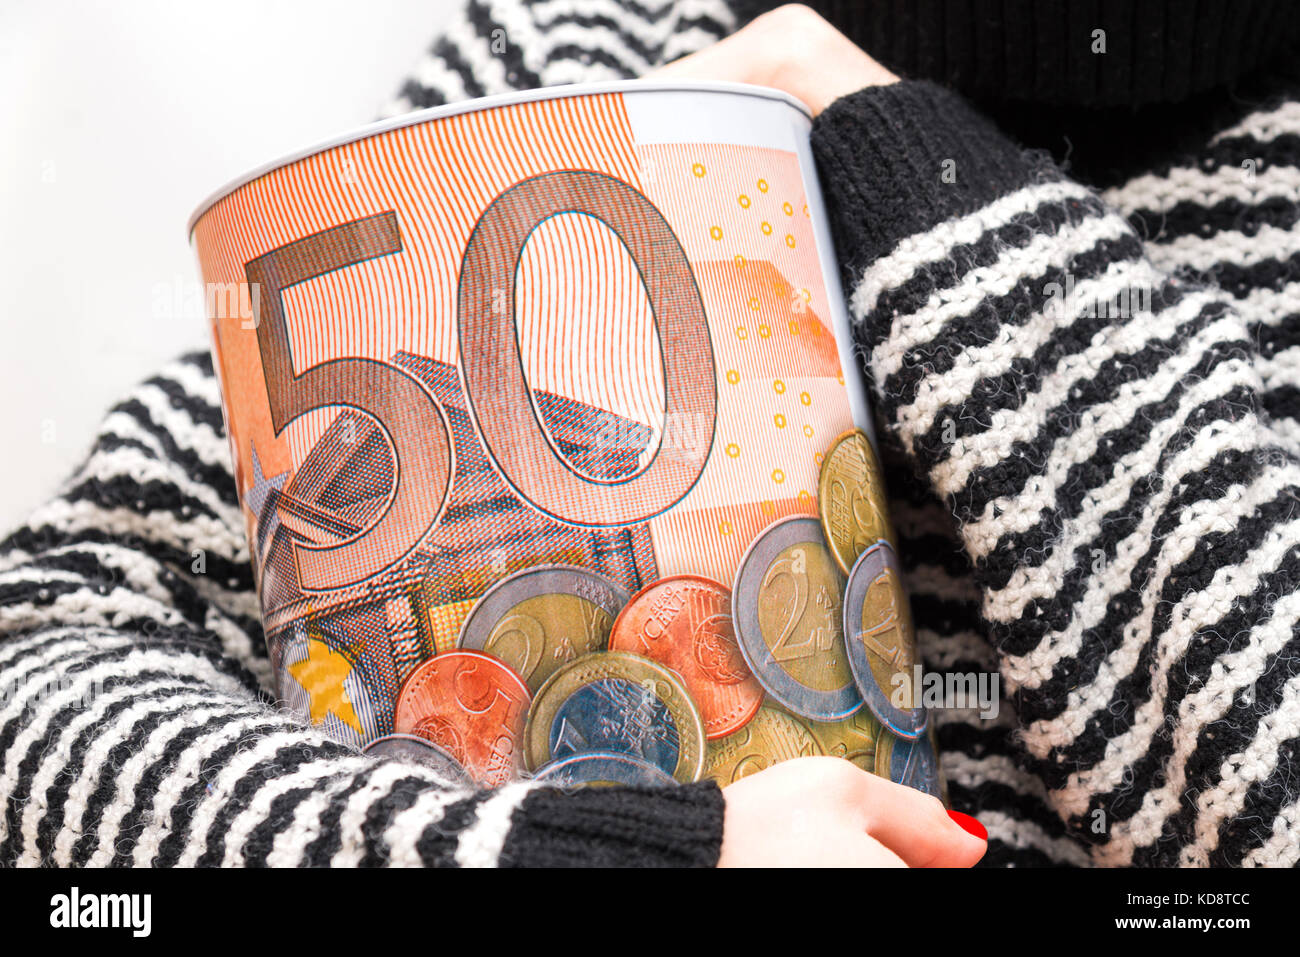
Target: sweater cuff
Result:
[[897, 160], [618, 827]]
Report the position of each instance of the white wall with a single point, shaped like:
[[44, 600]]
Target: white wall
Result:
[[116, 119]]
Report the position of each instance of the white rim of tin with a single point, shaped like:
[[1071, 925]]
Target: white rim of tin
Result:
[[486, 103]]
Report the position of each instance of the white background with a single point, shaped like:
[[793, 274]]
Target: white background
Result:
[[116, 119]]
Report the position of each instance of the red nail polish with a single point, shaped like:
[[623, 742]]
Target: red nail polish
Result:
[[969, 825]]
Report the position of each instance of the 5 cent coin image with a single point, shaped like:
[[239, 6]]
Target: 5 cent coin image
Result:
[[473, 707], [542, 618], [787, 608], [684, 622]]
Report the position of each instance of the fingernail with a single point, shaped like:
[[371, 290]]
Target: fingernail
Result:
[[969, 825]]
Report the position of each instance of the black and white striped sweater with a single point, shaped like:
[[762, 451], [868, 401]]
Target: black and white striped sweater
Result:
[[1099, 506]]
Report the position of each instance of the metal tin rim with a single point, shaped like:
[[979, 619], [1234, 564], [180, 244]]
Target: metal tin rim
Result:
[[486, 103]]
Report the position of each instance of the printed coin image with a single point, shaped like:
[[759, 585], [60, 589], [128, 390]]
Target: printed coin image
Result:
[[910, 762], [851, 499], [684, 623], [542, 618], [418, 750], [880, 640], [852, 738], [473, 707], [773, 736], [619, 703], [787, 611], [598, 769]]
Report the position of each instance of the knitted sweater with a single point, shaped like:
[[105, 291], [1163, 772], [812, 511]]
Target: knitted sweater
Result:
[[1089, 406]]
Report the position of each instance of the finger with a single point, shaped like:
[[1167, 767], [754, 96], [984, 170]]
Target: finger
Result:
[[917, 828]]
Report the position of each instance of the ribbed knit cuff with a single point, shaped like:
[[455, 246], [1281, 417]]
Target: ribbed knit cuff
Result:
[[897, 160], [618, 827]]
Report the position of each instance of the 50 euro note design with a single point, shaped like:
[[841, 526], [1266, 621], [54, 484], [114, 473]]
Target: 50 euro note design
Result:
[[523, 389]]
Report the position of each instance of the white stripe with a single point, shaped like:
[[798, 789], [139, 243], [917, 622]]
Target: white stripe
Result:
[[290, 845], [221, 789], [198, 532], [1128, 334], [1190, 184], [352, 821], [1015, 264], [258, 810], [156, 822], [402, 836], [1265, 125], [1208, 253], [1195, 611], [480, 844], [130, 463], [1226, 799], [1231, 673], [54, 760], [935, 246], [1025, 834], [191, 708], [1020, 511]]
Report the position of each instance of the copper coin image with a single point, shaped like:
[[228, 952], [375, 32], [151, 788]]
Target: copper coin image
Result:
[[473, 707], [684, 623]]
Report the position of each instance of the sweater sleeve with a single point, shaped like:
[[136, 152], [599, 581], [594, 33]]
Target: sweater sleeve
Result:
[[1093, 423], [135, 728]]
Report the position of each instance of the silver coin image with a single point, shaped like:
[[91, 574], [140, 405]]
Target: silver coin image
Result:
[[602, 768], [881, 642], [417, 750], [788, 582]]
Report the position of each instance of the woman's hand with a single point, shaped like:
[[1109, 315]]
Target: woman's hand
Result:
[[790, 48], [825, 812]]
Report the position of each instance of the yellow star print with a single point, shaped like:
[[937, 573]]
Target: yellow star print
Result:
[[321, 675]]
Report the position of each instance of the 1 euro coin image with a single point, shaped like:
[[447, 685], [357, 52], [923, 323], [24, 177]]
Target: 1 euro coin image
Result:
[[619, 703]]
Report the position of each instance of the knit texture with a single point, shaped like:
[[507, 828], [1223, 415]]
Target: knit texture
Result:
[[1096, 502]]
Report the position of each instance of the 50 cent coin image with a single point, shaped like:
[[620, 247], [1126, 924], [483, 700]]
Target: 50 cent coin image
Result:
[[787, 609], [910, 762], [881, 643], [684, 622], [473, 707], [772, 736], [851, 499], [618, 703], [601, 769], [852, 738], [542, 618]]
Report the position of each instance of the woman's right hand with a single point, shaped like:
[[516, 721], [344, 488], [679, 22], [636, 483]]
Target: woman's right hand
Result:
[[825, 812]]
